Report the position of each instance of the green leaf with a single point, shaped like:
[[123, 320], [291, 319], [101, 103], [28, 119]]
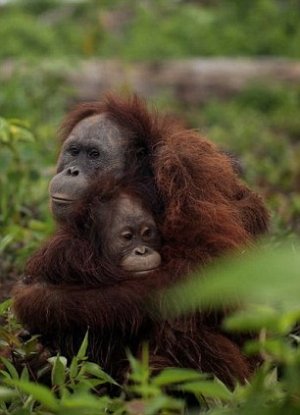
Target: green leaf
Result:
[[263, 276], [40, 393], [157, 404], [74, 368], [5, 305], [253, 318], [95, 370], [257, 317], [19, 123], [6, 240], [85, 401], [10, 367], [24, 374], [212, 389], [140, 368], [174, 375], [58, 370], [7, 394], [20, 134], [62, 359], [83, 348], [145, 390], [4, 131]]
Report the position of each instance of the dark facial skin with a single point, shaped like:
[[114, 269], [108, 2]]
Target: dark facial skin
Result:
[[130, 238], [95, 144]]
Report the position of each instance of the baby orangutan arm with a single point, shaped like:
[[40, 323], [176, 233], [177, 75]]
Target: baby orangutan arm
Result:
[[46, 308]]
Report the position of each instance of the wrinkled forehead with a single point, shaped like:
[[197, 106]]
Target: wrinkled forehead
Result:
[[98, 127], [129, 209], [130, 206]]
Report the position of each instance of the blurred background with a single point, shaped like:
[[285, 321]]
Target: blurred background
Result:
[[228, 68]]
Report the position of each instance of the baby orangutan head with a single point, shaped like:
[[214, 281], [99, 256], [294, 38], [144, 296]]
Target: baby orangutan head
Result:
[[129, 235]]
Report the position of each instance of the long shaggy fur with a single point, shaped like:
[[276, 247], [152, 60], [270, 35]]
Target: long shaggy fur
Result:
[[203, 210]]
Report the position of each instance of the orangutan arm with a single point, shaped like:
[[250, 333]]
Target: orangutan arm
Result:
[[44, 308]]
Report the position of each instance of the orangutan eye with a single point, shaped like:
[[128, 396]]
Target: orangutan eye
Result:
[[146, 233], [127, 235], [94, 153], [73, 150]]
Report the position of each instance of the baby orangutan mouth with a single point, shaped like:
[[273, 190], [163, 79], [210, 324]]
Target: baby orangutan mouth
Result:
[[142, 261]]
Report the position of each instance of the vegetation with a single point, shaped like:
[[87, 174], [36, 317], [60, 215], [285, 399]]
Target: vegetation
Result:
[[260, 125], [146, 29]]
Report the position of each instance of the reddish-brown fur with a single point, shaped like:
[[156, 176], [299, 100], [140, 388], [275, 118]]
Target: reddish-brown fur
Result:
[[207, 211]]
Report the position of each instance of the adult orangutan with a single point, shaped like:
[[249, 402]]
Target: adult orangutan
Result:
[[202, 209], [116, 135]]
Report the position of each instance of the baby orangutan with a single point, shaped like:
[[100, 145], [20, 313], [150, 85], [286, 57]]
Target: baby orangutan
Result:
[[129, 236]]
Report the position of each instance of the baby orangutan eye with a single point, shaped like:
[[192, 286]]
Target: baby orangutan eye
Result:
[[146, 233], [127, 235]]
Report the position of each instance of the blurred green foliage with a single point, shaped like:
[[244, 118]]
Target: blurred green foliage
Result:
[[31, 106], [153, 29], [19, 222], [261, 125]]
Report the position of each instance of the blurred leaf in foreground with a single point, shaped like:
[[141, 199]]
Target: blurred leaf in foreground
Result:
[[264, 275]]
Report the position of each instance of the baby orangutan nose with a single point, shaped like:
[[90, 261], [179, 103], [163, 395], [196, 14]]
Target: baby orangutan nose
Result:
[[141, 250]]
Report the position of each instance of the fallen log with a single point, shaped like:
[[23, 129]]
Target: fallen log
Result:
[[191, 81]]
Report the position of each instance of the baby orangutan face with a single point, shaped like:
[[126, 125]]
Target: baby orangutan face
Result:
[[130, 237]]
